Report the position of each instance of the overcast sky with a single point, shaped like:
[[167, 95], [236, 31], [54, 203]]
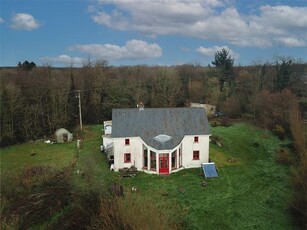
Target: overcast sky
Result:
[[152, 32]]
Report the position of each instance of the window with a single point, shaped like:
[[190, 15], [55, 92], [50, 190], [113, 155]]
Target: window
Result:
[[145, 157], [196, 139], [196, 155], [152, 160], [174, 160], [127, 141], [127, 157], [180, 156]]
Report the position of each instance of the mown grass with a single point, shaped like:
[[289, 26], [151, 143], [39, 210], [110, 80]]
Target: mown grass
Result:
[[251, 191]]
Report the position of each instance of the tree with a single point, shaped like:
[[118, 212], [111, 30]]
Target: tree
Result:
[[224, 63], [232, 107], [283, 74], [11, 103], [72, 102], [289, 74], [98, 91], [57, 113], [27, 66], [274, 109], [166, 89]]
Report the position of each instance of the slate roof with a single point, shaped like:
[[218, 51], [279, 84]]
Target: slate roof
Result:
[[148, 123]]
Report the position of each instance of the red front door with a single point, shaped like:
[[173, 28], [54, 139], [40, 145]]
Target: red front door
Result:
[[163, 164]]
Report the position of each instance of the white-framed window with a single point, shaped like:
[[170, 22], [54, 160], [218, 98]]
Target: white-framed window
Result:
[[195, 155], [127, 158]]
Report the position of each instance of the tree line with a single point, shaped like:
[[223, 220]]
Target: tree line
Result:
[[36, 102]]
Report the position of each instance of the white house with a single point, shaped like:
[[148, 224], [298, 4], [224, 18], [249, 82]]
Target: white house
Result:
[[160, 140]]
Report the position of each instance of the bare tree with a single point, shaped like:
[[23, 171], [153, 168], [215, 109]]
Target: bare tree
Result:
[[11, 102]]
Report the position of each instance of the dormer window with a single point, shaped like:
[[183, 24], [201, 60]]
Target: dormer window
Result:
[[196, 139], [162, 138], [127, 141]]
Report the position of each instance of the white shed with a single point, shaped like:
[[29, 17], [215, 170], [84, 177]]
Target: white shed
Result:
[[63, 135]]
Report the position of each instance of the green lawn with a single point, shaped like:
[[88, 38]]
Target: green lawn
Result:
[[18, 157], [251, 191]]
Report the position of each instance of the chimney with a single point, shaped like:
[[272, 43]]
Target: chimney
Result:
[[140, 106]]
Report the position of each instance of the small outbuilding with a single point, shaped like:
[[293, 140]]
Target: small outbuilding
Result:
[[63, 136], [209, 109]]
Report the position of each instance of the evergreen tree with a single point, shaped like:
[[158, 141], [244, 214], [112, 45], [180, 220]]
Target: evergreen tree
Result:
[[224, 63], [283, 74]]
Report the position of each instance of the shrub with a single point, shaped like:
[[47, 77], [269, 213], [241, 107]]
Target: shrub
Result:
[[283, 156], [225, 122], [247, 116], [216, 140], [135, 211], [232, 107], [35, 196], [274, 108], [84, 205], [215, 124], [297, 205], [256, 144], [279, 131]]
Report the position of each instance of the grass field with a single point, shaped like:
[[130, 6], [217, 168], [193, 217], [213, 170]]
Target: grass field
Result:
[[251, 192], [18, 157]]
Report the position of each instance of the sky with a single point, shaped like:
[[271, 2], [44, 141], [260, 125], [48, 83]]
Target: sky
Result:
[[62, 33]]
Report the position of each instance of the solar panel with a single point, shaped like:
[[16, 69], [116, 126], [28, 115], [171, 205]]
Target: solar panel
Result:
[[209, 170]]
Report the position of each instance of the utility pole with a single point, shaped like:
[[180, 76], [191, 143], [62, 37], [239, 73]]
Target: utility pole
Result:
[[80, 114]]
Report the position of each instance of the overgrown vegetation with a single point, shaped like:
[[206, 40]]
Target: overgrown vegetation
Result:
[[298, 204]]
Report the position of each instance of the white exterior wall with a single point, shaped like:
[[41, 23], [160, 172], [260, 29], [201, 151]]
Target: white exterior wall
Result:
[[135, 148], [107, 141], [188, 146]]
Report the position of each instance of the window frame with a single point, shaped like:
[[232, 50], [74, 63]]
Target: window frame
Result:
[[196, 139], [127, 141], [125, 157], [153, 159], [180, 156], [145, 158], [196, 155], [174, 159]]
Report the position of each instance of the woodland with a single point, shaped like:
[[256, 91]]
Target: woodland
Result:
[[35, 101]]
